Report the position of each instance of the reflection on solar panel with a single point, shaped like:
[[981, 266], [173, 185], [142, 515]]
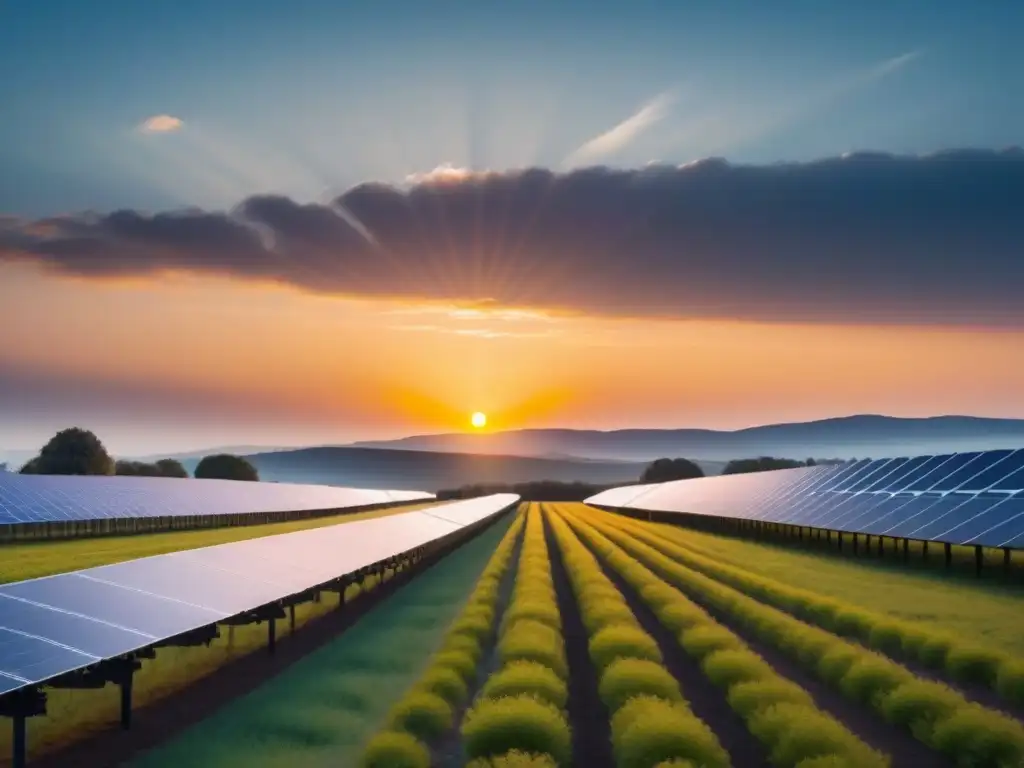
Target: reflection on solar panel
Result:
[[968, 498], [55, 498], [58, 624]]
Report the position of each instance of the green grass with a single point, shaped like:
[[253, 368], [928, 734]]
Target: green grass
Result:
[[986, 613], [32, 559], [322, 710]]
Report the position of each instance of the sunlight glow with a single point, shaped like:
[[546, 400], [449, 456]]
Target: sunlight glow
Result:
[[478, 420]]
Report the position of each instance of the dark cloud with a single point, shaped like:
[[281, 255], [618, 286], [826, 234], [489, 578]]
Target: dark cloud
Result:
[[865, 238]]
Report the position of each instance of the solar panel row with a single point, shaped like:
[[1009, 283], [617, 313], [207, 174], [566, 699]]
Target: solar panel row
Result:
[[55, 498], [962, 498], [58, 624]]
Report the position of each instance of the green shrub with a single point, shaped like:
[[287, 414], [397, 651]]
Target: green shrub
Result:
[[729, 667], [390, 749], [919, 705], [463, 644], [598, 615], [529, 640], [543, 610], [423, 714], [887, 637], [973, 665], [649, 730], [681, 616], [975, 736], [494, 727], [625, 678], [755, 695], [444, 682], [934, 649], [795, 733], [704, 640], [622, 641], [514, 759], [527, 678], [837, 660], [658, 593], [871, 678], [463, 663], [475, 625], [1010, 681], [852, 622]]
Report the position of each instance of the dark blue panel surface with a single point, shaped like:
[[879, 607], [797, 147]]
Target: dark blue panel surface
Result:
[[955, 510], [966, 473], [866, 470], [882, 472], [35, 659], [916, 513], [997, 514], [894, 478], [943, 470], [997, 472], [87, 635], [1012, 482], [9, 683], [118, 605], [865, 508]]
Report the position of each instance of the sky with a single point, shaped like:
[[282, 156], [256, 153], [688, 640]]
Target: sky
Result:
[[288, 223]]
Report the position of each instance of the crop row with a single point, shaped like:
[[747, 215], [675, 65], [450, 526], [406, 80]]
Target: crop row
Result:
[[961, 660], [777, 711], [427, 710], [519, 716], [651, 721], [934, 713]]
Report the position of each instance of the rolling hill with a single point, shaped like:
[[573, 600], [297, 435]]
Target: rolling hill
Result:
[[847, 437], [422, 470]]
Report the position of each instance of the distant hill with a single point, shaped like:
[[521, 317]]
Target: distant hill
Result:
[[846, 437], [424, 470]]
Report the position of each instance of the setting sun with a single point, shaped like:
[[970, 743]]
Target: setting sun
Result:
[[478, 420]]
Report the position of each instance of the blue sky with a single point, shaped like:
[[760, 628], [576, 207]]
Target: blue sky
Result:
[[310, 97]]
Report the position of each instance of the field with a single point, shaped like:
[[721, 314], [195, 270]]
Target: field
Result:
[[569, 636]]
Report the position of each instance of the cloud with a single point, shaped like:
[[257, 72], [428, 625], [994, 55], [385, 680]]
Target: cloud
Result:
[[161, 124], [866, 237], [624, 133]]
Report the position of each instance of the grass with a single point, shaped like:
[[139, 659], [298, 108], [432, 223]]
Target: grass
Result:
[[322, 710], [32, 559], [987, 613]]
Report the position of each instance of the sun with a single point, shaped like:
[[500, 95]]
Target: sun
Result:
[[478, 420]]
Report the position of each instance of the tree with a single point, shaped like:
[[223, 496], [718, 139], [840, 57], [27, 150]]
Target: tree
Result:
[[71, 451], [225, 466], [665, 470], [171, 468], [760, 464]]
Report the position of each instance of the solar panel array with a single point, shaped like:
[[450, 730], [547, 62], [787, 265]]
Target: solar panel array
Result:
[[959, 498], [58, 624], [62, 498]]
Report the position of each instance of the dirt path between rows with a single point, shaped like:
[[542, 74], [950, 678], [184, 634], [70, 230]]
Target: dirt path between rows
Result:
[[591, 730]]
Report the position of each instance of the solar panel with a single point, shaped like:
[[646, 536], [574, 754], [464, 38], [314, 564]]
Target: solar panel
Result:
[[58, 624], [62, 498], [966, 498]]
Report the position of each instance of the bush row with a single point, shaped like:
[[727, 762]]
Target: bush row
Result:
[[778, 712], [651, 723], [963, 661], [519, 717], [427, 710], [937, 715]]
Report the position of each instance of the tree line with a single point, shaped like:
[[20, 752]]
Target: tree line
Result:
[[77, 451]]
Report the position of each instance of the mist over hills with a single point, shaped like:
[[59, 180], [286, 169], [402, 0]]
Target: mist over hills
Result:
[[425, 470], [844, 437]]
